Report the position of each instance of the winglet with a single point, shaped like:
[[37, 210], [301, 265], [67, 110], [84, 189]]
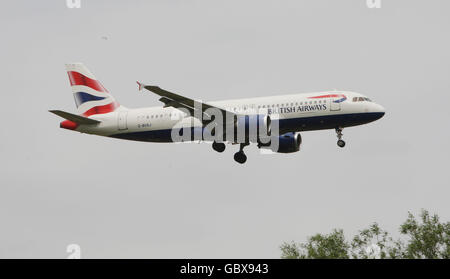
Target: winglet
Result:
[[140, 85]]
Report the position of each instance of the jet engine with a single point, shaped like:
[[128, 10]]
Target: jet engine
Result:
[[287, 143]]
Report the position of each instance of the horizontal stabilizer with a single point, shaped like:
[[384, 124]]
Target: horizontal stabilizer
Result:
[[75, 118]]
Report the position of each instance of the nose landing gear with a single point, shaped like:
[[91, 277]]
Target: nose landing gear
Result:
[[340, 142], [240, 156], [218, 146]]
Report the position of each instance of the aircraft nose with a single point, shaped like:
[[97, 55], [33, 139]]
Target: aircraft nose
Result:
[[379, 110]]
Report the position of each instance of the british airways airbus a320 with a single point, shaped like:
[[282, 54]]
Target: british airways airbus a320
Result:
[[242, 121]]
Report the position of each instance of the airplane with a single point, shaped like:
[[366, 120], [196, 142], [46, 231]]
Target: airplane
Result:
[[99, 113]]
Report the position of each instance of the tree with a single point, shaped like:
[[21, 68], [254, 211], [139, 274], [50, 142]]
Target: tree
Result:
[[373, 243], [319, 246], [429, 239], [423, 238]]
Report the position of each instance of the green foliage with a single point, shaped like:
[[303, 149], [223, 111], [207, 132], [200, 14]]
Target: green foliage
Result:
[[319, 246], [429, 239], [371, 243], [425, 238], [291, 251]]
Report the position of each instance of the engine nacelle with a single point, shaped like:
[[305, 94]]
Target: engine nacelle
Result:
[[250, 128], [287, 143]]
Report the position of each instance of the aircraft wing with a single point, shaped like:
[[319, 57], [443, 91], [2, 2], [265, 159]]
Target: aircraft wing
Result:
[[171, 99]]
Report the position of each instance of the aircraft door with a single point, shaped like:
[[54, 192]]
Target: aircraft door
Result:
[[122, 120]]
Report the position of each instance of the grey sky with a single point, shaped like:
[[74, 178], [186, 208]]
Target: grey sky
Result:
[[127, 199]]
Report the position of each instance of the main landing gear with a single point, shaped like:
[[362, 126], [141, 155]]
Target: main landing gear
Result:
[[240, 156], [340, 142], [218, 146]]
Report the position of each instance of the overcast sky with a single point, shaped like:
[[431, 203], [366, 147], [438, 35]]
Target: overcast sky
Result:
[[143, 200]]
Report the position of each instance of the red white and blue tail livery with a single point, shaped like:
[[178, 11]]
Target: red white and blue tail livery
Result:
[[91, 97], [277, 119]]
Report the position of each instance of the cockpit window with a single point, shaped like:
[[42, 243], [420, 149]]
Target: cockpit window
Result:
[[361, 99]]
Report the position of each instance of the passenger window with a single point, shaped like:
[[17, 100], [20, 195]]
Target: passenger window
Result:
[[361, 99], [355, 99]]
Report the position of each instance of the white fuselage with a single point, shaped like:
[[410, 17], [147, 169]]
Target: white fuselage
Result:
[[297, 112]]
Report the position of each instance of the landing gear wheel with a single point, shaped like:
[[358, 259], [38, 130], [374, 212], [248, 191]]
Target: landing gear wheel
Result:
[[339, 134], [218, 146], [240, 157]]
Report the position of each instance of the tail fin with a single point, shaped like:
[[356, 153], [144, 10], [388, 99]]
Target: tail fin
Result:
[[90, 95]]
